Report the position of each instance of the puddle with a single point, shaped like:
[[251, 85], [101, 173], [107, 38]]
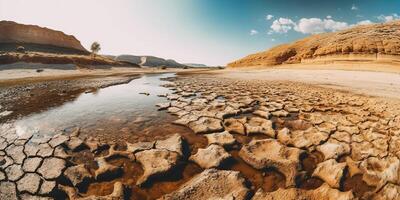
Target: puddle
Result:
[[116, 109]]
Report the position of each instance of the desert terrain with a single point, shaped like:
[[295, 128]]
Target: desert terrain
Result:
[[76, 126]]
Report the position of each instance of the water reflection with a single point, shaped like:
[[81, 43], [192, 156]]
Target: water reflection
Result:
[[111, 108]]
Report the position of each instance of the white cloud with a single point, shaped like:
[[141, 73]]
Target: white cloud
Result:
[[329, 17], [269, 17], [282, 25], [253, 32], [272, 39], [317, 25], [388, 18], [270, 32], [364, 22], [354, 7]]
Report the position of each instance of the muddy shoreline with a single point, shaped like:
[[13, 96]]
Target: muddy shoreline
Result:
[[24, 99], [281, 138]]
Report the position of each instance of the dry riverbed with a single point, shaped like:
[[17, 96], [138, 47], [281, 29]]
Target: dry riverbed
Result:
[[221, 138]]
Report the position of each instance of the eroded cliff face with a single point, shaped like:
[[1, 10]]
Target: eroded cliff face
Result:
[[35, 38], [361, 43]]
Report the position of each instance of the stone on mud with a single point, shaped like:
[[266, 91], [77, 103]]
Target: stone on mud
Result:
[[212, 184], [172, 143], [31, 164], [258, 125], [14, 172], [8, 191], [211, 157], [156, 162], [206, 125], [29, 183], [331, 172], [224, 139], [52, 168], [269, 153], [117, 194], [78, 175], [333, 149], [139, 146], [323, 192], [235, 126], [106, 171]]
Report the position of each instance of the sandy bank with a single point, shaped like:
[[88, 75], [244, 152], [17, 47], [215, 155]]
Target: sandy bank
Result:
[[384, 84], [17, 76]]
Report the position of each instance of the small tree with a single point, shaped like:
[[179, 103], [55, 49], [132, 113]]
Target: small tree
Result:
[[95, 48]]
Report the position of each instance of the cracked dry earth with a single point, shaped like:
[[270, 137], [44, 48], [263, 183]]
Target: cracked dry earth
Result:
[[246, 140]]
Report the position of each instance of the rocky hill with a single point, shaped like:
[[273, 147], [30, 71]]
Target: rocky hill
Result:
[[148, 61], [39, 39], [376, 42]]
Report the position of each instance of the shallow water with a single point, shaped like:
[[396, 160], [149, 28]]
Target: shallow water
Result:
[[106, 110]]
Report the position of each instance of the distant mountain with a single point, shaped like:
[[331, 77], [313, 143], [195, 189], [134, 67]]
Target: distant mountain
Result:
[[376, 42], [148, 61], [195, 65], [35, 38]]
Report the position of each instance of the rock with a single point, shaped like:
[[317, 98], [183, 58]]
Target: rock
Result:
[[52, 168], [284, 159], [156, 162], [172, 143], [163, 106], [47, 187], [283, 136], [224, 139], [211, 157], [377, 172], [206, 125], [106, 171], [8, 191], [94, 145], [58, 140], [31, 164], [60, 153], [75, 143], [31, 149], [14, 172], [16, 153], [117, 194], [259, 125], [333, 149], [323, 192], [349, 129], [45, 150], [114, 153], [307, 138], [341, 136], [139, 146], [389, 192], [78, 175], [186, 119], [263, 114], [235, 126], [29, 183], [32, 197], [280, 113], [330, 171], [212, 184], [2, 176]]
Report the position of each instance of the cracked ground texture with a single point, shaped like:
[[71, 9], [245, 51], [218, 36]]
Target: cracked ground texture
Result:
[[301, 141]]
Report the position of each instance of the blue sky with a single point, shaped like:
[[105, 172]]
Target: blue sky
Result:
[[213, 32]]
